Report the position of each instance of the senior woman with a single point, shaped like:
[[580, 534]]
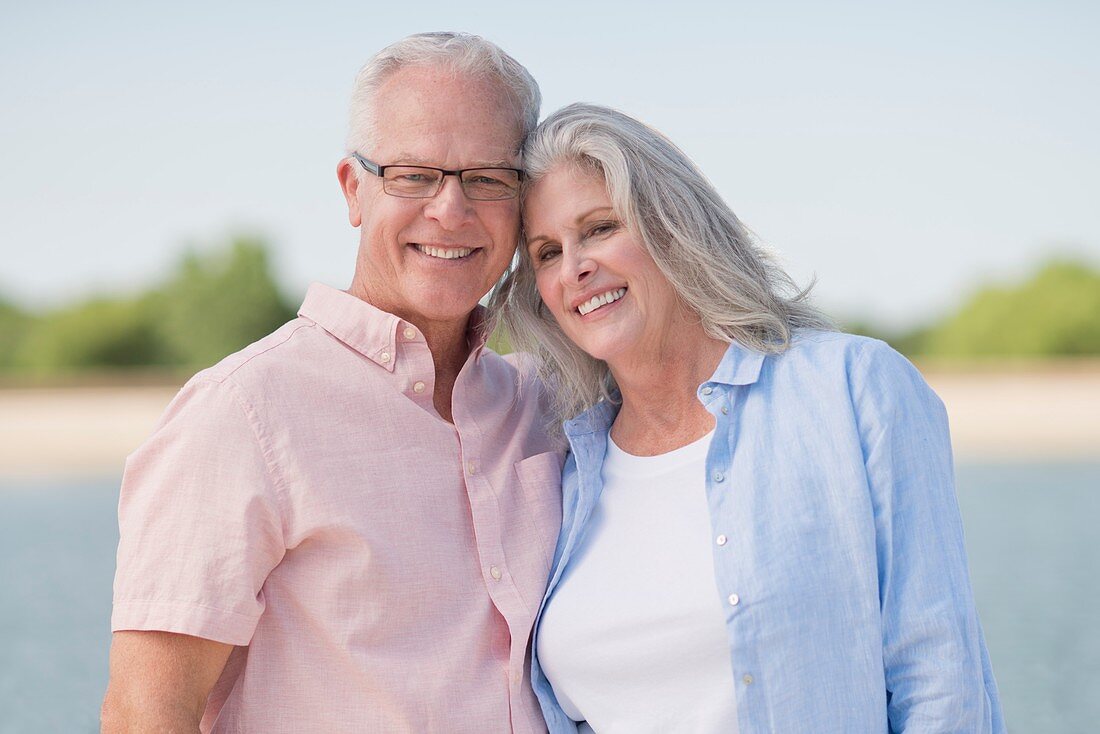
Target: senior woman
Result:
[[760, 531]]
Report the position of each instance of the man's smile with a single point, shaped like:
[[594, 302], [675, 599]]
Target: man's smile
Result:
[[445, 253]]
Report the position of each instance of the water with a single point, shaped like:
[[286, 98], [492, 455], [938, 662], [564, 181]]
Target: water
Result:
[[1034, 558], [1035, 567], [57, 557]]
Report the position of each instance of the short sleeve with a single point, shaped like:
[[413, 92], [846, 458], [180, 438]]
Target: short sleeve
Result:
[[199, 521]]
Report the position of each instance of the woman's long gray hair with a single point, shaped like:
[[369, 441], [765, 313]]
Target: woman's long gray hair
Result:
[[695, 239]]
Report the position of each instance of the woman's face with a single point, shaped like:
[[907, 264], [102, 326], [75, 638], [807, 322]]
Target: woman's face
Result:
[[602, 287]]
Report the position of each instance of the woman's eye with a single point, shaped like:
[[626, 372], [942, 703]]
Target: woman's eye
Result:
[[547, 253], [602, 228]]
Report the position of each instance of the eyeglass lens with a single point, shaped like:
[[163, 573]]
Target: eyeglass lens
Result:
[[486, 184]]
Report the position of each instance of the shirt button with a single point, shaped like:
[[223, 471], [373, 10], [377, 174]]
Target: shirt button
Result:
[[384, 356], [747, 679], [708, 390], [719, 476], [495, 573], [721, 540], [725, 410], [410, 333], [418, 387], [471, 467], [734, 600]]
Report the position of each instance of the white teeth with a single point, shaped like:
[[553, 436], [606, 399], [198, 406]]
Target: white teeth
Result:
[[449, 253], [601, 300]]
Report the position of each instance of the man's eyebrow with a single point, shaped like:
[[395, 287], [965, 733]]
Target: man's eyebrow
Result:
[[531, 241], [408, 159]]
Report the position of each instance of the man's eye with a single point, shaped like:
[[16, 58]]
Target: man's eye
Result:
[[412, 177], [485, 180]]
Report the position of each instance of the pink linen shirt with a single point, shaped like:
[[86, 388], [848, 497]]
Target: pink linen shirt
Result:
[[378, 568]]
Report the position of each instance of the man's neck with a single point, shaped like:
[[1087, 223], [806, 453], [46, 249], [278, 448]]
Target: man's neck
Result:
[[447, 340], [450, 348]]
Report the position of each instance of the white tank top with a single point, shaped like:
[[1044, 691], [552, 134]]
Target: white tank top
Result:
[[634, 638]]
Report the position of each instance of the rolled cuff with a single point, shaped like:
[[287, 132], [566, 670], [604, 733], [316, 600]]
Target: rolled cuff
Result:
[[210, 623]]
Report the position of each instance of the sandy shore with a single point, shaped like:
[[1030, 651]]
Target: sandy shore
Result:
[[1019, 414]]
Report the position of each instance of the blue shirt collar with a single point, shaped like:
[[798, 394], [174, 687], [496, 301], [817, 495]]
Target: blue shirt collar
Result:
[[596, 419], [739, 366]]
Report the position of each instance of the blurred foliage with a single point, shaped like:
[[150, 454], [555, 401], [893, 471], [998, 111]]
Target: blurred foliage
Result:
[[99, 333], [212, 305], [15, 324], [1055, 313], [498, 341], [216, 302]]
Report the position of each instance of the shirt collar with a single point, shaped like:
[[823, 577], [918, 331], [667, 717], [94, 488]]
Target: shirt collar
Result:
[[369, 330], [476, 336], [739, 366], [596, 419]]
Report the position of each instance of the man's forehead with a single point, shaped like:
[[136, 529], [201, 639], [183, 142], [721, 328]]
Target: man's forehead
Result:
[[432, 116]]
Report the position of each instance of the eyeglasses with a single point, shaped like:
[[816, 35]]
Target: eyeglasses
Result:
[[424, 182]]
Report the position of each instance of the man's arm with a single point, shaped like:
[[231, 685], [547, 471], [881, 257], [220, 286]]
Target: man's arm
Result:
[[159, 681]]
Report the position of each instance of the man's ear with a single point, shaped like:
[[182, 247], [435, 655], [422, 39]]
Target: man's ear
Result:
[[349, 184]]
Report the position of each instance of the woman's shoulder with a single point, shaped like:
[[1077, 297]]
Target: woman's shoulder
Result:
[[853, 352]]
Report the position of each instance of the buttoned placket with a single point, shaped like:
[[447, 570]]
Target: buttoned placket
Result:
[[419, 380], [716, 399], [489, 539]]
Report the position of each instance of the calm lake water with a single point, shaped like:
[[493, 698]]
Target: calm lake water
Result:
[[1034, 559]]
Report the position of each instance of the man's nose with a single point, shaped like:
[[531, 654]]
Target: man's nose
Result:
[[450, 207]]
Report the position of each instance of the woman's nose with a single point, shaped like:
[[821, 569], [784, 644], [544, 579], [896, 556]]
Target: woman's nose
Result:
[[577, 268]]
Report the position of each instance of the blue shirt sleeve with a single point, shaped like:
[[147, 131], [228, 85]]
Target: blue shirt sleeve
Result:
[[938, 675]]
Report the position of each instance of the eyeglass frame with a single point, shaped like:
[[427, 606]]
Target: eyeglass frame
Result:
[[380, 171]]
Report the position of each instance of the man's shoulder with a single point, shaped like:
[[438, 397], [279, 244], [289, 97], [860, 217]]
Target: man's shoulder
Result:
[[522, 364], [518, 369], [520, 386], [280, 354]]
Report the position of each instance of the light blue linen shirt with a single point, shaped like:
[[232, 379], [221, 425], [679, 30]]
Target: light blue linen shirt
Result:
[[842, 575]]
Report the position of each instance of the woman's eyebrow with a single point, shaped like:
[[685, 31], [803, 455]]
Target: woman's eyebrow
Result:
[[580, 218]]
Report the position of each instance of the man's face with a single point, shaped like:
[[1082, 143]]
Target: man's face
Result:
[[430, 260]]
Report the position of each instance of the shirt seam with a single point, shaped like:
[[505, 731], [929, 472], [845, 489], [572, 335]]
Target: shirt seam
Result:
[[275, 476], [225, 378]]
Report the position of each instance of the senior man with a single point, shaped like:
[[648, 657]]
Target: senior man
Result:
[[347, 525]]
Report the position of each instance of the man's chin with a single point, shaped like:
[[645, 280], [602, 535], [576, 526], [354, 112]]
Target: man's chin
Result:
[[443, 307]]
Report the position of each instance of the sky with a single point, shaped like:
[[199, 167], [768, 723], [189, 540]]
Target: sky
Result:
[[902, 155]]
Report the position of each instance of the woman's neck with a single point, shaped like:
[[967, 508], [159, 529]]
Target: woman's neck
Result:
[[660, 410]]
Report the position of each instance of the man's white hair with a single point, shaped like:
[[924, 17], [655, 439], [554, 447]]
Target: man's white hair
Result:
[[462, 53]]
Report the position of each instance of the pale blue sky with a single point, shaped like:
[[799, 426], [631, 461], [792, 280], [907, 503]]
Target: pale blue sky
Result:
[[903, 154]]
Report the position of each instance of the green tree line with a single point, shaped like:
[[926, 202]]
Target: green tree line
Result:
[[210, 306], [1053, 313], [216, 302]]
